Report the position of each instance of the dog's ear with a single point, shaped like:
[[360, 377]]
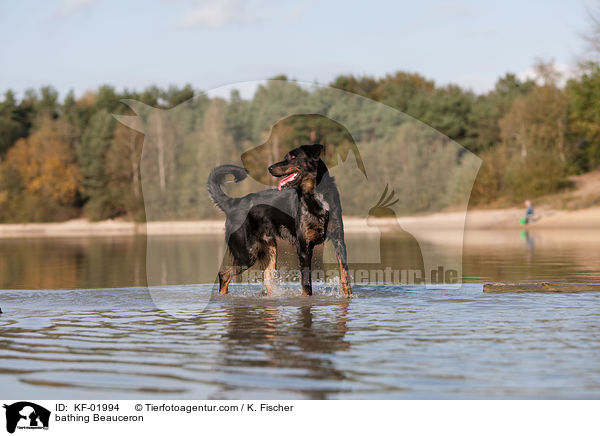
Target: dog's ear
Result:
[[313, 151]]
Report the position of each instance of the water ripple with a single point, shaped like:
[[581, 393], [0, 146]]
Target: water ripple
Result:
[[385, 342]]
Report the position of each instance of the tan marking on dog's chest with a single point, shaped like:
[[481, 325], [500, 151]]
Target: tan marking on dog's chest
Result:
[[313, 230], [308, 185]]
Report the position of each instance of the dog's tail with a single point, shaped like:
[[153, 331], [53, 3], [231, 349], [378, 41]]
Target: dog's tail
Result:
[[217, 178]]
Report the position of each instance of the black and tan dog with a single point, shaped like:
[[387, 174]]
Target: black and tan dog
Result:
[[305, 210]]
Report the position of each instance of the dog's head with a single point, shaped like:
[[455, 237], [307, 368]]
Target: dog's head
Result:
[[295, 130], [300, 164]]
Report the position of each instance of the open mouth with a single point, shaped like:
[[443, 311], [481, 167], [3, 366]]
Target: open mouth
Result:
[[287, 180]]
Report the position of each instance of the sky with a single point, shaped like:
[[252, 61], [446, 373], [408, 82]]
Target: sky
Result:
[[81, 44]]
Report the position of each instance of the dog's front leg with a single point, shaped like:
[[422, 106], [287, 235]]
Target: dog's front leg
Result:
[[269, 281], [305, 257], [340, 252]]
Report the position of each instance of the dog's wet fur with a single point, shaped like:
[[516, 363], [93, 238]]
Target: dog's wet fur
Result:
[[305, 210]]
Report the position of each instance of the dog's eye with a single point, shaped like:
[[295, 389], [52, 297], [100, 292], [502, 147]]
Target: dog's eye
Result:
[[292, 156]]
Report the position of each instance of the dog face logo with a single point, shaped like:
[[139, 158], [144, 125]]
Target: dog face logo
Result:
[[26, 415]]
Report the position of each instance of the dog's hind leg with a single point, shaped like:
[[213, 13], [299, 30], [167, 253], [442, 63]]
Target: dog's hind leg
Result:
[[244, 254], [271, 263], [226, 275], [224, 279]]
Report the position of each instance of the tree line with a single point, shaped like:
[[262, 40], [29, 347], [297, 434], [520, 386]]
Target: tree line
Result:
[[66, 158]]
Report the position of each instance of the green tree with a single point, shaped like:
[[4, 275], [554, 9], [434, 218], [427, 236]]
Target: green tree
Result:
[[209, 146], [584, 117], [91, 158], [402, 90], [273, 101], [488, 109], [11, 126], [534, 135], [46, 106], [238, 117], [364, 86], [447, 110], [174, 96], [123, 168]]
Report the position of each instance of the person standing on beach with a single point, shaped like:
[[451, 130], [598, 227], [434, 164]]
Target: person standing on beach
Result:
[[529, 214]]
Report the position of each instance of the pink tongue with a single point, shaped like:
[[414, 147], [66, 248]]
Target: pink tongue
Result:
[[284, 180]]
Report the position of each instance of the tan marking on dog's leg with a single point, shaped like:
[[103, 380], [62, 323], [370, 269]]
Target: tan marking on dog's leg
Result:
[[269, 281], [345, 279], [224, 279]]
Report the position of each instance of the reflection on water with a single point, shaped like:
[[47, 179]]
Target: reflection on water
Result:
[[534, 255], [51, 263], [385, 342], [102, 262], [294, 341]]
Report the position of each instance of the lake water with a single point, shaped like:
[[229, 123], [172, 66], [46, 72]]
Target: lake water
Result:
[[80, 322]]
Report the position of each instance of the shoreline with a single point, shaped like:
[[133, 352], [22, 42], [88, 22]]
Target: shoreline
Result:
[[478, 219]]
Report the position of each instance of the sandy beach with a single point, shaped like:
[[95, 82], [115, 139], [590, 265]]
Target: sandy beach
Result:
[[493, 219]]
